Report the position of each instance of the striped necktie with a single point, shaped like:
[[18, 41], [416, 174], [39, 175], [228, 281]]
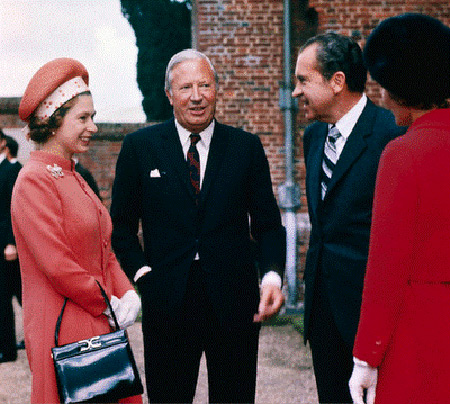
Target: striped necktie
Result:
[[330, 158], [193, 160]]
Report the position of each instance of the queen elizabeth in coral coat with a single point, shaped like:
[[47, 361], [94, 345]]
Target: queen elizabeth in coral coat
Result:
[[63, 233]]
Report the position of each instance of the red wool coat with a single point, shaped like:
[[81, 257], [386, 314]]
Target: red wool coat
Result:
[[404, 328], [62, 233]]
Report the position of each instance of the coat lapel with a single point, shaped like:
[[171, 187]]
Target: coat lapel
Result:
[[355, 145], [314, 169]]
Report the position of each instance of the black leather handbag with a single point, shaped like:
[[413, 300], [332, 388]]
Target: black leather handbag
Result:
[[101, 369]]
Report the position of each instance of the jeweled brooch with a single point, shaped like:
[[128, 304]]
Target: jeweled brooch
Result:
[[56, 171]]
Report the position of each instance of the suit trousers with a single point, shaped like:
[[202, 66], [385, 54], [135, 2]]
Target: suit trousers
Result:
[[8, 349], [332, 356], [173, 348], [14, 282]]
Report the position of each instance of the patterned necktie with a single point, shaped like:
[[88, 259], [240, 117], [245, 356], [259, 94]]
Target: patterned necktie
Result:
[[193, 159], [329, 158]]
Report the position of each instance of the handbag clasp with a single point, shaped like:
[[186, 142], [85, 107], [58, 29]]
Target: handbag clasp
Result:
[[90, 343]]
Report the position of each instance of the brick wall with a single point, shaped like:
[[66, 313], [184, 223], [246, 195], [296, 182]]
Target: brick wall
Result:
[[357, 18], [244, 41], [9, 110]]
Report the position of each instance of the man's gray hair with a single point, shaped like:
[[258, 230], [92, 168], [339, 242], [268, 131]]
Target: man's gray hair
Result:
[[186, 54]]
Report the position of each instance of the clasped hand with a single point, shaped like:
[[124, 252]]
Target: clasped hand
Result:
[[126, 309]]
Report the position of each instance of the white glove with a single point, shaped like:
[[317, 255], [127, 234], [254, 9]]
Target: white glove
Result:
[[128, 310], [115, 303], [363, 377]]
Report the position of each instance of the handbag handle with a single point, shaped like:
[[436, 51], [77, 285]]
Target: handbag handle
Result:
[[105, 296]]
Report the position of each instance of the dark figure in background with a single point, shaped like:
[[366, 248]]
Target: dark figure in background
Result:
[[12, 148], [13, 271], [8, 254], [13, 266], [202, 190], [341, 155]]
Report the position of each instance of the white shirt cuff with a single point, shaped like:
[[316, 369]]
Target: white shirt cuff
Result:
[[271, 278], [141, 272]]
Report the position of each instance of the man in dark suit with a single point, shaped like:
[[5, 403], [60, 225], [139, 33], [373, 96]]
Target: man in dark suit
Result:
[[8, 176], [341, 153], [203, 193]]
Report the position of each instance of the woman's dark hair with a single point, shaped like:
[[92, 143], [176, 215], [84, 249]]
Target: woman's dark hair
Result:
[[339, 53], [409, 56], [41, 130]]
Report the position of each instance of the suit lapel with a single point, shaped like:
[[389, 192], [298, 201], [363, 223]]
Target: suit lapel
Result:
[[314, 168], [217, 151], [355, 145], [173, 156]]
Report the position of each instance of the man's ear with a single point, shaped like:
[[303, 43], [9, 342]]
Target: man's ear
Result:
[[338, 81], [169, 96]]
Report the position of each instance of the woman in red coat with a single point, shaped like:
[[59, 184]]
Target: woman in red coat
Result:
[[402, 348], [62, 229]]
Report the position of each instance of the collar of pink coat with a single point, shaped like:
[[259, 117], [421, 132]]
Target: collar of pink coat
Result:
[[50, 158]]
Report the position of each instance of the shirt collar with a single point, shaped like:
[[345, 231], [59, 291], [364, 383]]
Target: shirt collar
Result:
[[348, 121], [2, 157], [206, 135]]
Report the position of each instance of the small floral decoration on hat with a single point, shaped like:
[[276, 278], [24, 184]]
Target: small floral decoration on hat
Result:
[[56, 171]]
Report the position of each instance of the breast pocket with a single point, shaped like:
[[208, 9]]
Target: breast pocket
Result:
[[157, 182]]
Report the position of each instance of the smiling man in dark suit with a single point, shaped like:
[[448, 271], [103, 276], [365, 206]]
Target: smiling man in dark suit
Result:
[[341, 153], [204, 195]]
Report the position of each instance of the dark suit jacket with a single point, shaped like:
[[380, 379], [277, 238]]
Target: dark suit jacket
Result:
[[236, 190], [8, 176], [339, 239]]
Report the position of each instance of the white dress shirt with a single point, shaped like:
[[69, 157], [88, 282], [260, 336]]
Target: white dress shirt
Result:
[[346, 124], [202, 145]]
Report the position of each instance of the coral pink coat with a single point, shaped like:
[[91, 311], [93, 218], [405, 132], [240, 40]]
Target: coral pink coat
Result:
[[62, 233], [404, 328]]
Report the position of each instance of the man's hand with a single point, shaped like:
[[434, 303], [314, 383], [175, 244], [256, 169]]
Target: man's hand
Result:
[[10, 252], [271, 301], [363, 377]]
